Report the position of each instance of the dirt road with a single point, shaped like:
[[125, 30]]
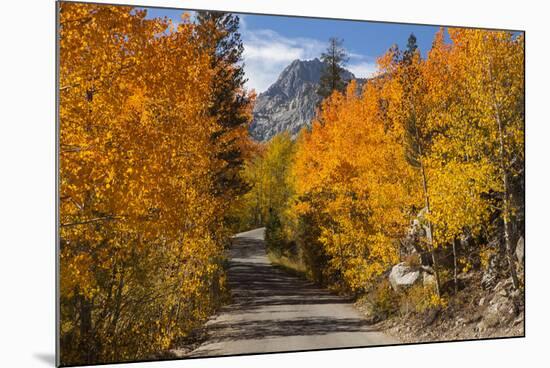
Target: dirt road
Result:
[[273, 311]]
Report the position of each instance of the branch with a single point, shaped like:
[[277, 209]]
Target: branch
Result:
[[61, 89], [82, 20], [97, 219]]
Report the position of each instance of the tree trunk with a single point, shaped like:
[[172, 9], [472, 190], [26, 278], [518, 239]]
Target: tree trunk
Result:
[[116, 315], [429, 234], [506, 213], [86, 345], [434, 258], [506, 203], [455, 267], [510, 253]]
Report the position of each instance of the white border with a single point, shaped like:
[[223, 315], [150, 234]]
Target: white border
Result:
[[27, 205]]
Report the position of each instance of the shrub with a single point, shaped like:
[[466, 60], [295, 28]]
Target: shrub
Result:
[[419, 299], [381, 301]]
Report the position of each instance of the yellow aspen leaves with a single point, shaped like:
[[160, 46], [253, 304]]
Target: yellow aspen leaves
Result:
[[443, 133], [352, 176], [141, 236]]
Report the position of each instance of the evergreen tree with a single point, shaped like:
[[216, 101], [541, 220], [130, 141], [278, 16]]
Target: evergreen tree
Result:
[[411, 49], [334, 59], [218, 33]]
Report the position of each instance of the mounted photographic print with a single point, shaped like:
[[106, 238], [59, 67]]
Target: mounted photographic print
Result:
[[243, 183]]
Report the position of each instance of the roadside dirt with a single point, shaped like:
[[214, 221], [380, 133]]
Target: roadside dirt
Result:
[[469, 315]]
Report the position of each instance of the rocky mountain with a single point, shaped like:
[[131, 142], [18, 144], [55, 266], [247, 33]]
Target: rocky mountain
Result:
[[290, 102]]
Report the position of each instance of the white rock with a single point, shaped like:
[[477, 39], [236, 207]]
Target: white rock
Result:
[[403, 276], [520, 250]]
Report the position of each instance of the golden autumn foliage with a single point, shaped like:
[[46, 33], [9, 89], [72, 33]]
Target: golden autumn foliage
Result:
[[157, 169], [351, 172], [443, 134], [470, 85], [141, 230], [267, 169]]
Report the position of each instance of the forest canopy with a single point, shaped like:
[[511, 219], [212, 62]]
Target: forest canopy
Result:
[[147, 172], [436, 141], [157, 172]]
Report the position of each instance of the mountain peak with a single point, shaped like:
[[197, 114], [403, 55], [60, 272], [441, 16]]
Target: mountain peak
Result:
[[289, 103]]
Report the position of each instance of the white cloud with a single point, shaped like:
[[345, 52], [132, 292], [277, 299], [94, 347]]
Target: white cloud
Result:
[[361, 66], [267, 53], [353, 55], [362, 69]]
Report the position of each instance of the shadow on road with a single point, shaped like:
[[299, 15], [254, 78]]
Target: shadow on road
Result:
[[256, 285], [272, 310], [307, 326]]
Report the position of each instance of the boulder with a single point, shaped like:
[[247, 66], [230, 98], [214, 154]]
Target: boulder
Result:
[[501, 309], [520, 250], [403, 276], [491, 274], [428, 279]]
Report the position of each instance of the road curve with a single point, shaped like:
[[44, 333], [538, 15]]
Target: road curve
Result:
[[273, 311]]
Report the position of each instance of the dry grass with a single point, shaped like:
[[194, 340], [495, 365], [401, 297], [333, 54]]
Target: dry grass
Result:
[[290, 265]]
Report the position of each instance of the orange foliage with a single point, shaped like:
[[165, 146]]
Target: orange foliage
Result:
[[141, 232]]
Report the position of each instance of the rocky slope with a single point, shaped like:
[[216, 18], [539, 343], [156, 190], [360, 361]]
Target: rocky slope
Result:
[[472, 314], [481, 303], [290, 102]]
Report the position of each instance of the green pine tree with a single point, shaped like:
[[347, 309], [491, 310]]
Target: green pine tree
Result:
[[218, 32], [411, 49], [334, 58]]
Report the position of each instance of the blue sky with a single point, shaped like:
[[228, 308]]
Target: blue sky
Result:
[[273, 42]]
